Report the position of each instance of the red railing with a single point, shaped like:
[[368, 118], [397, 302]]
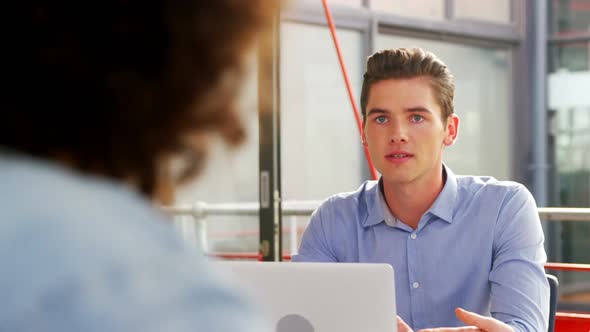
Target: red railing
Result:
[[572, 322], [567, 267], [569, 321]]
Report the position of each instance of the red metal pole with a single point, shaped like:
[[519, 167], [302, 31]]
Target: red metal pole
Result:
[[348, 86]]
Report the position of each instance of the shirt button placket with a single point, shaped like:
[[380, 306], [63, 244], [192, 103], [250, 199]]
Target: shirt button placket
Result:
[[415, 284], [414, 278]]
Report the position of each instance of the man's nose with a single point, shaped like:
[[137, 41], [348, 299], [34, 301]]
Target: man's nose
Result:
[[398, 133]]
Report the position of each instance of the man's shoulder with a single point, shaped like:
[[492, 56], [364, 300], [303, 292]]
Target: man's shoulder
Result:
[[472, 184], [348, 208], [50, 204], [486, 196], [473, 191]]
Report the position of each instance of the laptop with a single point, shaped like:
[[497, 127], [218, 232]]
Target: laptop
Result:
[[319, 297]]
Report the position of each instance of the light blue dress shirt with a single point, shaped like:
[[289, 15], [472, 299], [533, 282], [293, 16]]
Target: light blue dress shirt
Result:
[[479, 247], [81, 253]]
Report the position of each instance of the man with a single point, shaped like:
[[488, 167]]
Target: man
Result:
[[104, 102], [466, 242]]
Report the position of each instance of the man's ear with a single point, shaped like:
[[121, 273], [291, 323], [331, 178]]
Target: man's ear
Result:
[[452, 130], [363, 136]]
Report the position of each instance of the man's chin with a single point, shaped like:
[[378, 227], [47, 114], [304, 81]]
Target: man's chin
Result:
[[398, 178]]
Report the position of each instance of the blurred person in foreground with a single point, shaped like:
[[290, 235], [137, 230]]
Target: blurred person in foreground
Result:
[[100, 101], [466, 250]]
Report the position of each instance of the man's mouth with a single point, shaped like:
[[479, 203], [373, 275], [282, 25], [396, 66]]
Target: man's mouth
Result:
[[399, 157], [399, 154]]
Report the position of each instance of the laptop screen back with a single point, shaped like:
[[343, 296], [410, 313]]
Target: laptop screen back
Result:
[[319, 297]]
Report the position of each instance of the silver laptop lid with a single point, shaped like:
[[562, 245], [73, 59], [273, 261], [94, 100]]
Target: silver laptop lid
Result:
[[319, 297]]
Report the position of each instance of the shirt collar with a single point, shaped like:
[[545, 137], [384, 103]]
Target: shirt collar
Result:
[[388, 217], [374, 209], [443, 206]]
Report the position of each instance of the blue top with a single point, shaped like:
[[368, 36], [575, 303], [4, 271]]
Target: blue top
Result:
[[81, 253], [479, 247]]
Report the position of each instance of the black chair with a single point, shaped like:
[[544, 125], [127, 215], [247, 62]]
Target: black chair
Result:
[[553, 285]]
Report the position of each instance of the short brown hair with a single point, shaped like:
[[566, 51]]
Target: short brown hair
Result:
[[125, 86], [409, 63]]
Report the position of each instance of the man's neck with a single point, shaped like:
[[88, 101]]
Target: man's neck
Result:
[[409, 201]]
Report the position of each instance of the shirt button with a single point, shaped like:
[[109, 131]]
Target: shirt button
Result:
[[416, 284], [413, 236]]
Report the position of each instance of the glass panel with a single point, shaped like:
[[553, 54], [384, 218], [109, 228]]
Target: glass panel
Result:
[[572, 57], [482, 101], [573, 296], [497, 11], [352, 3], [428, 9], [320, 144], [570, 102], [230, 176], [570, 17], [321, 152]]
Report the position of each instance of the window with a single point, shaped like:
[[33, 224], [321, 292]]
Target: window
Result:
[[321, 151], [570, 105], [427, 9], [351, 3], [570, 17], [497, 11]]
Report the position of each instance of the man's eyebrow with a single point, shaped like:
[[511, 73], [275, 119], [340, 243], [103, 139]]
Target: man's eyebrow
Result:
[[377, 111], [418, 109]]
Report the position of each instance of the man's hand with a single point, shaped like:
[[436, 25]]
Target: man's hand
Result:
[[476, 323], [402, 326]]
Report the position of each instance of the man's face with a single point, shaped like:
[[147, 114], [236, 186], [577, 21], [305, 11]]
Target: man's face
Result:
[[404, 130]]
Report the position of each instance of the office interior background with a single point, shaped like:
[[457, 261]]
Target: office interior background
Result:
[[522, 74]]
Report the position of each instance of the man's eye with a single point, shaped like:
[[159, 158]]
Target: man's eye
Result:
[[417, 118], [380, 119]]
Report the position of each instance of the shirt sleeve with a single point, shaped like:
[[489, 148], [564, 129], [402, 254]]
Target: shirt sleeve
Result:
[[314, 246], [519, 288]]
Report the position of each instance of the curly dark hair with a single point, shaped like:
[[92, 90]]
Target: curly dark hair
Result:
[[118, 86]]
